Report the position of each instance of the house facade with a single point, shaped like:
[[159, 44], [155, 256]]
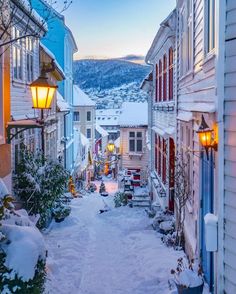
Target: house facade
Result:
[[84, 115], [50, 117], [162, 112], [196, 98], [5, 114], [133, 131], [60, 41], [25, 68], [109, 120]]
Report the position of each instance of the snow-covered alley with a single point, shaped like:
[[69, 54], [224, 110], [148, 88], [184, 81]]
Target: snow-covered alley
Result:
[[116, 252]]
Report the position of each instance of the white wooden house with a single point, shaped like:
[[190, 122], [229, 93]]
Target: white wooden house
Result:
[[133, 148], [225, 257], [25, 68], [162, 113], [196, 96]]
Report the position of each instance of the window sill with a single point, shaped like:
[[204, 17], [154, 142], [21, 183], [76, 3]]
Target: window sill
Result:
[[209, 61], [19, 83], [186, 77]]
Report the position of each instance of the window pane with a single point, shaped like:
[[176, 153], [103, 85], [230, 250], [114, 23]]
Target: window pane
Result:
[[132, 145], [88, 115], [132, 134], [139, 145], [88, 133], [139, 134]]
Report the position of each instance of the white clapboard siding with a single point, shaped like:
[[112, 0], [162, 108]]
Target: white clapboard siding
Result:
[[230, 150], [135, 161]]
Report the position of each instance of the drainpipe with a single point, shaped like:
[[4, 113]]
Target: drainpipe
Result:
[[65, 137]]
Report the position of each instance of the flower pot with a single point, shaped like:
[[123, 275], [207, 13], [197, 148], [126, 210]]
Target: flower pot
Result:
[[193, 290]]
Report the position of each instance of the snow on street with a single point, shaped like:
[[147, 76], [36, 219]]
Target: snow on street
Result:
[[116, 252]]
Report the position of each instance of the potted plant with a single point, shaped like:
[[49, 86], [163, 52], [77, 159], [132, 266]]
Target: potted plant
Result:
[[60, 212], [188, 277]]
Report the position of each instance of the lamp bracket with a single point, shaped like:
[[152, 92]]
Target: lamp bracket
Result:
[[48, 67], [21, 126]]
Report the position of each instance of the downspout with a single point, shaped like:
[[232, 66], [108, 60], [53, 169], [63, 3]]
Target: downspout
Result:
[[65, 137]]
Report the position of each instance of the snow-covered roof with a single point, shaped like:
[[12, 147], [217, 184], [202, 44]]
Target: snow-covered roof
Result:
[[84, 140], [101, 130], [26, 5], [185, 116], [61, 103], [134, 114], [108, 117], [49, 53], [164, 132], [80, 98]]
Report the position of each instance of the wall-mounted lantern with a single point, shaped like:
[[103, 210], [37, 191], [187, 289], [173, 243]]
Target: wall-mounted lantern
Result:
[[111, 146], [206, 136]]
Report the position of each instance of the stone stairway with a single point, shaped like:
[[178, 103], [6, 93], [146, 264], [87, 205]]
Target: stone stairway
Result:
[[141, 199]]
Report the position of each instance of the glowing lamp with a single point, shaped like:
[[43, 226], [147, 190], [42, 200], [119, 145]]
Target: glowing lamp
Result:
[[205, 136], [111, 147], [42, 92]]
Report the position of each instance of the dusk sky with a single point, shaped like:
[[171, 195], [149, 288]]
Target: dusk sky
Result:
[[115, 28]]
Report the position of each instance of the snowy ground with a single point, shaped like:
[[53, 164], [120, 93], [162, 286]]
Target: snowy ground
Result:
[[116, 252]]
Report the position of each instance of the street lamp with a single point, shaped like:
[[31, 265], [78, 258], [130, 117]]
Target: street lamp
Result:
[[111, 146], [42, 91], [206, 136]]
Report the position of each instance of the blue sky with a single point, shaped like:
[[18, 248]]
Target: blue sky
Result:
[[115, 28]]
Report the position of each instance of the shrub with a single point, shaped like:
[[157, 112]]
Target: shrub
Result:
[[39, 183], [61, 211], [120, 199]]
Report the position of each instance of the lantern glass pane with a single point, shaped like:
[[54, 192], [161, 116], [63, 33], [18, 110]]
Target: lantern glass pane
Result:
[[34, 96]]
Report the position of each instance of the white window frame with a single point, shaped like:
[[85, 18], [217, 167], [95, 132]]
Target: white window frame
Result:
[[90, 133], [89, 116], [17, 48], [186, 38], [135, 138], [29, 49], [209, 27]]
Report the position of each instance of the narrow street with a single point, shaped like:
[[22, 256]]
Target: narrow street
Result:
[[114, 252]]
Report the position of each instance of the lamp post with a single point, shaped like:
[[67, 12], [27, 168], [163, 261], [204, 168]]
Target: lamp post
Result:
[[42, 91], [206, 136]]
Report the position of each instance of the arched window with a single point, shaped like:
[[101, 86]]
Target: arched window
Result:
[[157, 77], [164, 78], [159, 156], [160, 80], [156, 152], [171, 75], [164, 152]]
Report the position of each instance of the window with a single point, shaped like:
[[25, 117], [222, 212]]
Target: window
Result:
[[164, 161], [29, 59], [164, 78], [76, 116], [210, 25], [88, 115], [171, 74], [135, 142], [186, 37], [17, 55], [157, 81], [89, 133], [160, 80]]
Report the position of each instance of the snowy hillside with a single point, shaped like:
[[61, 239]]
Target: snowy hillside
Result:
[[110, 82]]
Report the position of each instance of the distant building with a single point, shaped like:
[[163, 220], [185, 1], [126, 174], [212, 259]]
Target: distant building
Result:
[[84, 115], [101, 138], [109, 120], [133, 133]]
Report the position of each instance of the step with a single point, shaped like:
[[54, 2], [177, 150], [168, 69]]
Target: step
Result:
[[141, 204], [141, 198]]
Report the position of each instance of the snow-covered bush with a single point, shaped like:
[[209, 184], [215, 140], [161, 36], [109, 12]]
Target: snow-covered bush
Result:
[[39, 183], [22, 254], [60, 211], [120, 199]]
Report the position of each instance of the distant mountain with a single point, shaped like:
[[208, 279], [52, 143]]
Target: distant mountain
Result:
[[109, 73]]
